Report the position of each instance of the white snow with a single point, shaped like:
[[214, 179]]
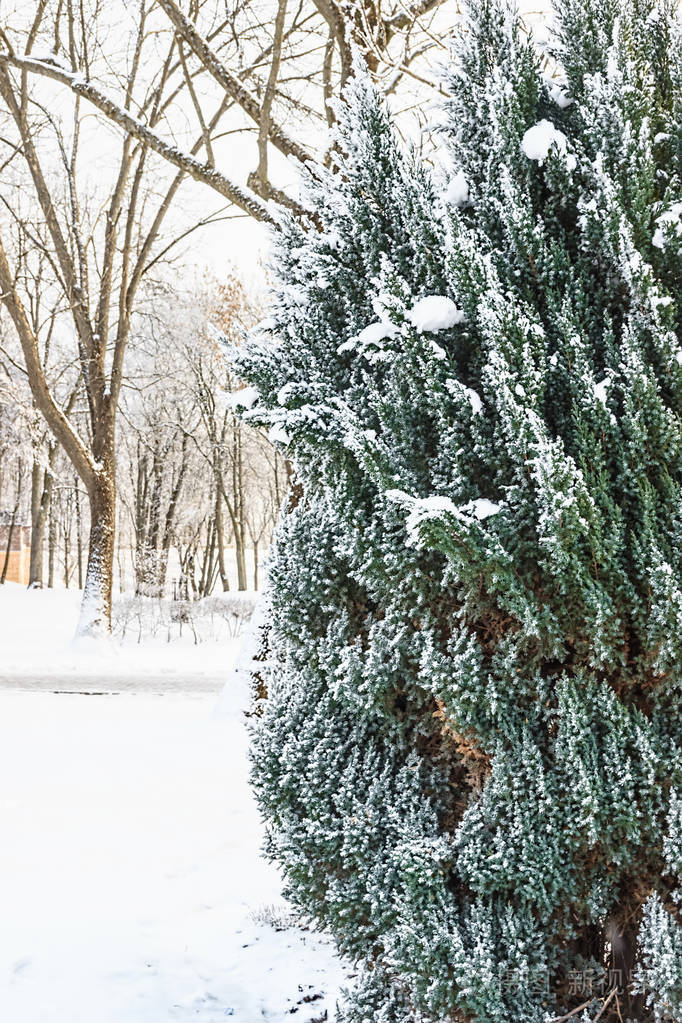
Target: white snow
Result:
[[560, 97], [672, 218], [601, 389], [541, 138], [37, 629], [435, 504], [434, 312], [373, 334], [455, 387], [376, 332], [286, 392], [50, 57], [278, 435], [266, 324], [457, 192], [558, 94], [298, 296], [245, 397], [131, 882], [423, 509], [481, 508], [475, 399]]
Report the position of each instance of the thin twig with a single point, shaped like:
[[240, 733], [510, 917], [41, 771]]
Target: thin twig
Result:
[[585, 1005], [606, 1002], [573, 1012]]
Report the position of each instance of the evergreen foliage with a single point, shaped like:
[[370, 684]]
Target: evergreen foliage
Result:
[[469, 757]]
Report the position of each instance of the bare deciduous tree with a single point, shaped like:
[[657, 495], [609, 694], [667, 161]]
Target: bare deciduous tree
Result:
[[98, 239]]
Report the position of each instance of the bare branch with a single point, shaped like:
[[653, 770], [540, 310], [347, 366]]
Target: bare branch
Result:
[[229, 82], [183, 161], [266, 109]]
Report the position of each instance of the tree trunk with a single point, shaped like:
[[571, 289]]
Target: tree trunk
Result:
[[255, 564], [51, 544], [95, 619], [171, 513], [35, 572], [12, 525], [220, 531], [240, 550], [66, 560], [42, 482], [79, 533], [207, 568], [239, 519], [8, 549]]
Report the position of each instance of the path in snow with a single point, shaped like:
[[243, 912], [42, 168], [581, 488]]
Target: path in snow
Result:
[[85, 682], [131, 885]]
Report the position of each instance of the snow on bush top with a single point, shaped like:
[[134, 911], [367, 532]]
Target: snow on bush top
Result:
[[435, 312], [541, 138], [245, 397], [670, 219], [457, 192], [422, 509], [373, 334]]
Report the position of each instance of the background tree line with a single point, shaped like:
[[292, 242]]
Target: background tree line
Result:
[[198, 492]]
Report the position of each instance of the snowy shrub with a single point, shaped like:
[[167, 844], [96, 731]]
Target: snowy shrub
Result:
[[468, 745], [208, 620], [276, 915], [232, 609], [660, 972]]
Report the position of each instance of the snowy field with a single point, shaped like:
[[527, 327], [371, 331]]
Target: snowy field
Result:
[[37, 649], [131, 885]]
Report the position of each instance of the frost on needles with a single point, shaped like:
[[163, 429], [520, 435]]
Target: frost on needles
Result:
[[469, 754]]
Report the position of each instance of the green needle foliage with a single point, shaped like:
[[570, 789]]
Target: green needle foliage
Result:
[[469, 758]]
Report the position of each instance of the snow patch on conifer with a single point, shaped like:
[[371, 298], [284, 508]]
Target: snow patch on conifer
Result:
[[541, 138], [373, 334], [456, 388], [457, 192], [560, 96], [601, 389], [434, 312], [668, 222], [481, 508], [558, 92], [378, 332], [245, 397], [435, 507], [278, 435]]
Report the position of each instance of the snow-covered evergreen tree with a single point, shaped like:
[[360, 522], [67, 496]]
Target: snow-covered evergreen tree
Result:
[[469, 756]]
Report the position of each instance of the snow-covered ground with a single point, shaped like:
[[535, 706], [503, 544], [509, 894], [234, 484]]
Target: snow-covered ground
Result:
[[37, 648], [131, 884]]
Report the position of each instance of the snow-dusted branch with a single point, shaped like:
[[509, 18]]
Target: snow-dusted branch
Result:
[[196, 169], [230, 83]]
